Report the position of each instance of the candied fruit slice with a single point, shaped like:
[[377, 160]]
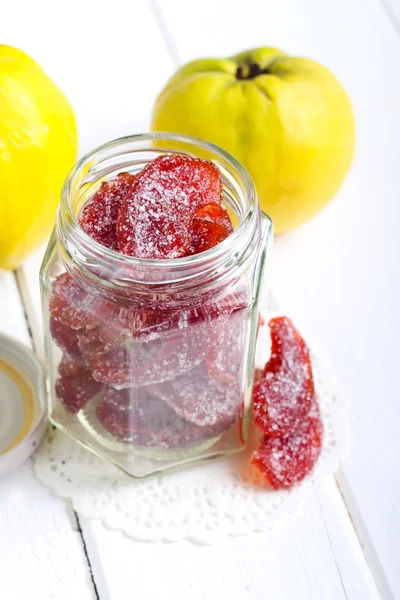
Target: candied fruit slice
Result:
[[99, 216], [75, 386], [225, 348], [218, 308], [65, 338], [210, 226], [121, 360], [198, 181], [119, 324], [286, 461], [225, 356], [155, 237], [71, 304], [284, 394], [155, 216], [135, 416], [69, 366], [199, 399]]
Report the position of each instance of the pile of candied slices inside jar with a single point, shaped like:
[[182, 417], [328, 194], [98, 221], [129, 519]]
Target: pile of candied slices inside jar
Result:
[[159, 378]]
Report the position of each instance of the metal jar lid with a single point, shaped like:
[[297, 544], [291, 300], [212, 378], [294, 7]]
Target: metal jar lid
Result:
[[22, 403]]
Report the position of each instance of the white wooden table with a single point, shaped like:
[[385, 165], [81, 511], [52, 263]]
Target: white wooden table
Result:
[[338, 276]]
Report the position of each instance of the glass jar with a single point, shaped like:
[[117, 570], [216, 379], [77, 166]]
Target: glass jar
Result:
[[150, 362]]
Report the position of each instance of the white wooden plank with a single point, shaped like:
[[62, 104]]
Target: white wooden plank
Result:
[[312, 556], [338, 275], [349, 556], [41, 556]]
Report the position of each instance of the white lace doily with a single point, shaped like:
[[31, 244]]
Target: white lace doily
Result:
[[202, 503]]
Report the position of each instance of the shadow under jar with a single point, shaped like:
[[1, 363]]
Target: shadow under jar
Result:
[[150, 362]]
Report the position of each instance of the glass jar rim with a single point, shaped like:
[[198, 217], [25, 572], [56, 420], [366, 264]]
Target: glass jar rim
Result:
[[130, 261]]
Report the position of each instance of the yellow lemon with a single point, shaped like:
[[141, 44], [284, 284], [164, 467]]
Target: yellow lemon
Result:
[[288, 120], [38, 145]]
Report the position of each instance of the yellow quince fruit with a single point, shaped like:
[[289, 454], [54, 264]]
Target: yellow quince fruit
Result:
[[287, 120], [38, 146]]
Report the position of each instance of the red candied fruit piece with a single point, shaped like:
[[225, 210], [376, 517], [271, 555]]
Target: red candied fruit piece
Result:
[[219, 308], [99, 216], [199, 179], [65, 338], [155, 216], [118, 358], [211, 225], [136, 347], [284, 394], [69, 367], [71, 304], [135, 416], [224, 359], [286, 461], [199, 399], [75, 386]]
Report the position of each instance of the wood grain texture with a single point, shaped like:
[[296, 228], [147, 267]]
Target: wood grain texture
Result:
[[313, 556], [338, 275], [41, 554]]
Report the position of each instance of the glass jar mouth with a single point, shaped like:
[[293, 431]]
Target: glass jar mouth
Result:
[[133, 152], [95, 155]]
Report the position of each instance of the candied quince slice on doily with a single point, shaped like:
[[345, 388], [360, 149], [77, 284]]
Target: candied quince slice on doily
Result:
[[71, 304], [75, 386], [286, 461], [199, 399], [210, 226], [284, 394], [66, 338], [99, 216], [135, 416], [155, 216]]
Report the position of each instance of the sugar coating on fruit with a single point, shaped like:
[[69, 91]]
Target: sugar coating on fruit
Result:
[[136, 416], [154, 220], [122, 360], [286, 461], [225, 350], [221, 307], [65, 337], [75, 386], [200, 399], [224, 362], [211, 225], [284, 394], [99, 216], [71, 304]]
